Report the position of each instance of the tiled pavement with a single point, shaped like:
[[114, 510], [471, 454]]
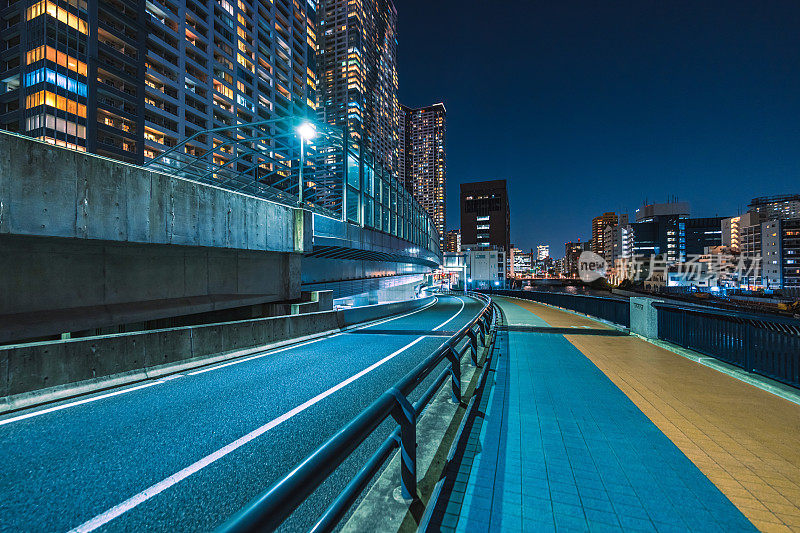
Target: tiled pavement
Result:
[[562, 448]]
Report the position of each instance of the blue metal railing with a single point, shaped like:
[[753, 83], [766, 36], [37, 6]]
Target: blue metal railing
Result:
[[273, 507], [612, 309], [765, 345]]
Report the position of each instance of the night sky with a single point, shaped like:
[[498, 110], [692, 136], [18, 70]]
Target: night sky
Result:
[[588, 107]]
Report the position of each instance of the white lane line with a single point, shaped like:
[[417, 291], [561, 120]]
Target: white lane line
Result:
[[270, 352], [452, 317], [79, 402], [158, 488], [293, 346], [215, 367]]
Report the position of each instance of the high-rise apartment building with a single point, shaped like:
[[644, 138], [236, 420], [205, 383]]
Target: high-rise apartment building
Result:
[[358, 73], [485, 214], [733, 227], [572, 252], [599, 224], [130, 79], [422, 162], [452, 241]]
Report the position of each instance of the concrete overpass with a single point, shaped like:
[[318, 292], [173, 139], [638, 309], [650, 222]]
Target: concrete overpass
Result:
[[89, 243]]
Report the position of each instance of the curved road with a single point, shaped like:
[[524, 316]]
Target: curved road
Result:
[[184, 453]]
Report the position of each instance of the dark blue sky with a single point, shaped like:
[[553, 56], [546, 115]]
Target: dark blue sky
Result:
[[588, 107]]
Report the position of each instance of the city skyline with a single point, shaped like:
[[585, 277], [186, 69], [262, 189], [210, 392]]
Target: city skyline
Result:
[[620, 104]]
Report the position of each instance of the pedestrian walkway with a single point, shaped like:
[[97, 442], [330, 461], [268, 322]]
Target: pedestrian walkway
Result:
[[588, 429]]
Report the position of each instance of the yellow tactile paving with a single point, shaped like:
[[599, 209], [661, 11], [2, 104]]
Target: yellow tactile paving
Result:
[[744, 439]]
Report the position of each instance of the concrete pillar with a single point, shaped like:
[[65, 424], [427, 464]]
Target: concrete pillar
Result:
[[644, 317]]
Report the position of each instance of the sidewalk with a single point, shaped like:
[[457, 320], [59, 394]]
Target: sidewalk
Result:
[[583, 432]]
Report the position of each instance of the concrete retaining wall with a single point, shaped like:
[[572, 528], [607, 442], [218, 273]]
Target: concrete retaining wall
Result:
[[88, 242], [77, 363], [54, 192]]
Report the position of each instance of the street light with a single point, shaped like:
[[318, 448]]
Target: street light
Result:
[[306, 131]]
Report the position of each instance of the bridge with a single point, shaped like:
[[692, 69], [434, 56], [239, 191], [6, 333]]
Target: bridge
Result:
[[172, 360]]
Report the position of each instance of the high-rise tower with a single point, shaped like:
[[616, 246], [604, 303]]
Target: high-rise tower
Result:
[[358, 73], [423, 161]]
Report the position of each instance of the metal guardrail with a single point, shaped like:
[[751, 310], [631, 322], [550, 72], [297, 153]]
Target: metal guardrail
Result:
[[273, 507], [765, 345], [611, 309]]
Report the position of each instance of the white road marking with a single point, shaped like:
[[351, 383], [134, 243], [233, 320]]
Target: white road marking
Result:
[[293, 346], [154, 490], [452, 317], [79, 402], [214, 367]]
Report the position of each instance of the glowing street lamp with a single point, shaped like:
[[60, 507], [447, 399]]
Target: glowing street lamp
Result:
[[306, 131]]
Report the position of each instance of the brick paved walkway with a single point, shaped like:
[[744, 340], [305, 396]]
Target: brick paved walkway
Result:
[[562, 447]]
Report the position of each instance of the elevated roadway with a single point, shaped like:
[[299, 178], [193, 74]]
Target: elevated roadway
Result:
[[184, 453]]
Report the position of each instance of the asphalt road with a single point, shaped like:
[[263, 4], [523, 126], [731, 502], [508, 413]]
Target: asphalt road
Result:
[[186, 452]]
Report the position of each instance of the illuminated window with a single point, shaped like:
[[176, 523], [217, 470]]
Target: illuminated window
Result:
[[45, 74], [65, 144], [54, 100], [59, 13], [223, 89]]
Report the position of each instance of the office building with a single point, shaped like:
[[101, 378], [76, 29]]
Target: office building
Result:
[[520, 263], [649, 212], [452, 241], [702, 233], [357, 72], [131, 79], [599, 224], [674, 237], [572, 252], [783, 207], [485, 214], [542, 252], [422, 162]]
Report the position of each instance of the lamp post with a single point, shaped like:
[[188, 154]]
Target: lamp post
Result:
[[306, 131]]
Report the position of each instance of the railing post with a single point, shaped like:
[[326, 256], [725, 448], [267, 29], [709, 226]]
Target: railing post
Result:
[[473, 345], [404, 414], [455, 374]]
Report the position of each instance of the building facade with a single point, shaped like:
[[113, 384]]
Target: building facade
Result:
[[599, 224], [649, 212], [542, 252], [733, 227], [357, 70], [785, 206], [452, 241], [129, 79], [485, 214], [780, 254], [486, 267], [423, 161], [520, 263]]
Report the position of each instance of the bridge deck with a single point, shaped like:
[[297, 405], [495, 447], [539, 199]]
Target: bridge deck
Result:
[[597, 431]]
